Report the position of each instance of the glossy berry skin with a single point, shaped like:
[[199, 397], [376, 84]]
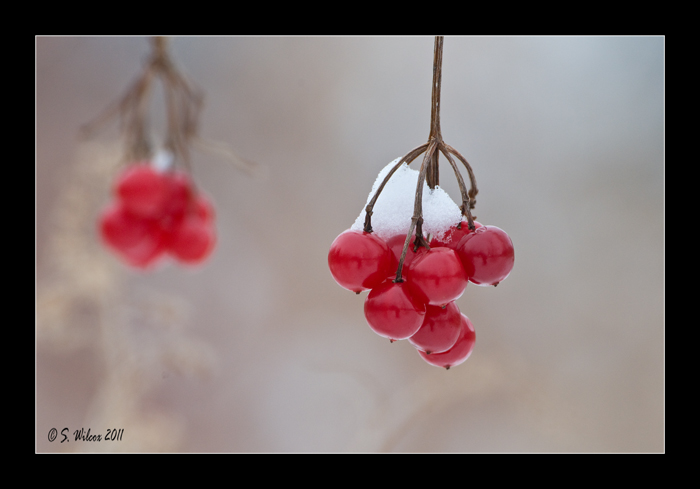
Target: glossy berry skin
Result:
[[359, 261], [437, 277], [395, 244], [459, 352], [487, 255], [454, 235], [143, 190], [440, 329], [391, 311]]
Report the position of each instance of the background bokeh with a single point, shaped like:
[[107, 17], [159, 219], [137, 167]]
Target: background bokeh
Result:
[[259, 350]]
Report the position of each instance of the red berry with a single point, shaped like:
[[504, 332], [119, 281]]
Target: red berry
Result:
[[359, 261], [391, 311], [146, 254], [454, 235], [193, 239], [440, 329], [136, 240], [487, 255], [179, 199], [395, 244], [121, 229], [180, 203], [437, 277], [459, 352], [204, 208], [158, 212], [143, 191]]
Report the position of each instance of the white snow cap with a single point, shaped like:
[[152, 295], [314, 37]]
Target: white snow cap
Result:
[[393, 210], [162, 160]]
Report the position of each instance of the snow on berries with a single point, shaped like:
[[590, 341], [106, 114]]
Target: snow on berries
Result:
[[421, 307], [394, 209], [155, 214], [415, 250]]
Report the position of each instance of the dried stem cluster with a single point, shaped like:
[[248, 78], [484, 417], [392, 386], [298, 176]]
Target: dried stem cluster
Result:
[[429, 170], [183, 103]]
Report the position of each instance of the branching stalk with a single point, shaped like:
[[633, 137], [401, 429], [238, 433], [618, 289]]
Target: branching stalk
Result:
[[473, 190], [429, 171], [417, 219], [183, 103]]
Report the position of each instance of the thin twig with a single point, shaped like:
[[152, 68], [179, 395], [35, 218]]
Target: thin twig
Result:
[[466, 201], [417, 219], [473, 190], [224, 151], [184, 102]]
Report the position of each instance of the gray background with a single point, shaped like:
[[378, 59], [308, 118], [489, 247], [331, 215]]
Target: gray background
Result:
[[259, 350]]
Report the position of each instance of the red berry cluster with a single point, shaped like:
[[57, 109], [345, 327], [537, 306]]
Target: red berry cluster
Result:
[[156, 214], [420, 307]]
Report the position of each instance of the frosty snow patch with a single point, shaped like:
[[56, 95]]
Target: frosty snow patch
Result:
[[393, 210]]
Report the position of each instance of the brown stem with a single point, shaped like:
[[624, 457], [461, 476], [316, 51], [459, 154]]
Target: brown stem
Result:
[[429, 171], [137, 134], [418, 202], [432, 175], [183, 105], [417, 219], [433, 172], [437, 82], [160, 45], [466, 203], [174, 139], [473, 190]]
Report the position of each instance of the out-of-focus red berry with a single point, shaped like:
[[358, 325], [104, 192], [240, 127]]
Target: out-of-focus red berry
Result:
[[193, 239], [156, 214], [137, 241], [143, 190]]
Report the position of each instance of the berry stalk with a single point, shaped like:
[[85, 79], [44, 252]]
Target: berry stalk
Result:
[[433, 175], [429, 172], [183, 103]]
